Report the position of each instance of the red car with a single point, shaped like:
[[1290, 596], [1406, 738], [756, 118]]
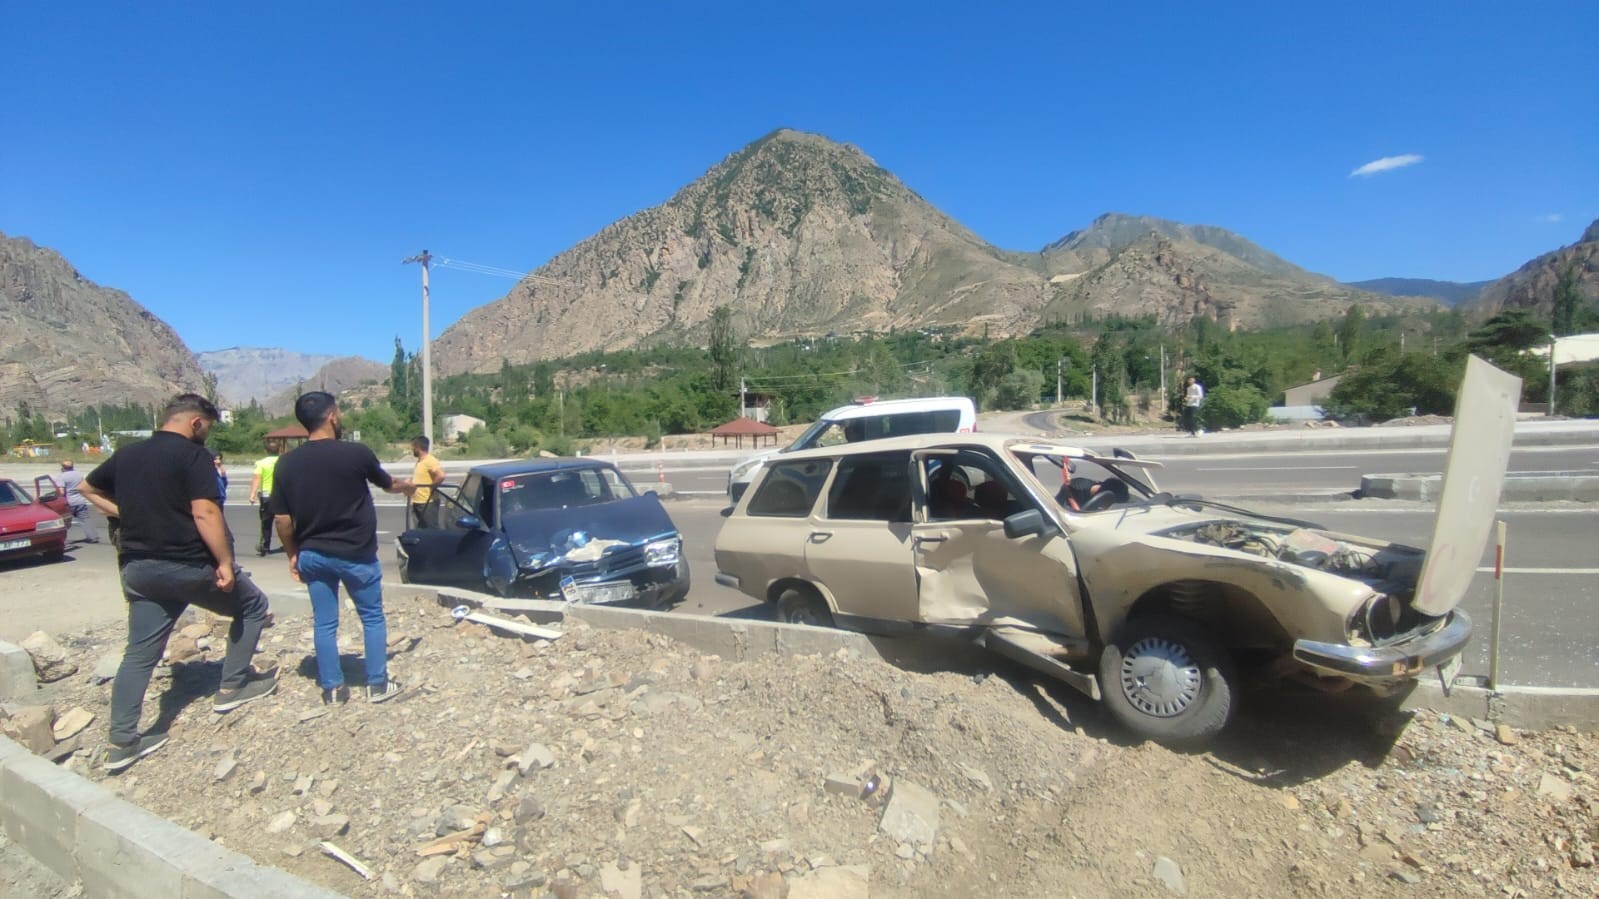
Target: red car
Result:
[[30, 528]]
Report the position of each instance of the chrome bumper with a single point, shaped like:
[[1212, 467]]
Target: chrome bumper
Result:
[[1395, 661]]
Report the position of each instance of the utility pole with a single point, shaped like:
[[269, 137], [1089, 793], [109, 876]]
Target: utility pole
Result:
[[1058, 361], [425, 258], [743, 402], [1163, 373], [1093, 396], [1553, 343]]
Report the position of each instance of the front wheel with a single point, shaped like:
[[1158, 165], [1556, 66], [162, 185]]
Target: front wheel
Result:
[[803, 606], [1167, 679]]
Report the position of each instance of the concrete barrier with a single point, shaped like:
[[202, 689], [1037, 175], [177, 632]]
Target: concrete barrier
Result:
[[1525, 487], [114, 848], [17, 677], [1531, 708]]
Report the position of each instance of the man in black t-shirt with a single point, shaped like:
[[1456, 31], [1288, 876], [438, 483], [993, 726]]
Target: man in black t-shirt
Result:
[[174, 551], [322, 508]]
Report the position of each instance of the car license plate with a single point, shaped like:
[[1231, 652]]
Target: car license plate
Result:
[[598, 593], [16, 544], [1448, 671]]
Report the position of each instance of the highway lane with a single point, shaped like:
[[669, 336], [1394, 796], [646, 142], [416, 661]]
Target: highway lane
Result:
[[1224, 473], [1552, 589]]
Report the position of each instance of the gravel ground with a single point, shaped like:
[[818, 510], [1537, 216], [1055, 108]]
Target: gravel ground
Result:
[[625, 764]]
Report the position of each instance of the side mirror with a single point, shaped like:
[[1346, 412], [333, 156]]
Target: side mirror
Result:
[[469, 522], [1026, 524], [1120, 453]]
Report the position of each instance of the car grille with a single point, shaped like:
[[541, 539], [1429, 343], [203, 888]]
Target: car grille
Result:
[[617, 560]]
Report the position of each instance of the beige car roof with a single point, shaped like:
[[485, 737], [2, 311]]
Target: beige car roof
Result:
[[999, 443]]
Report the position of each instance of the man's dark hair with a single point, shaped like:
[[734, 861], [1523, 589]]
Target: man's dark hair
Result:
[[312, 409], [185, 404], [422, 443]]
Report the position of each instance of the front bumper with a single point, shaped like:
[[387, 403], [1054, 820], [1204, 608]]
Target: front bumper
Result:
[[1395, 661]]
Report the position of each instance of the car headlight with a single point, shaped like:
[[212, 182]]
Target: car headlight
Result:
[[743, 470], [663, 552], [54, 524]]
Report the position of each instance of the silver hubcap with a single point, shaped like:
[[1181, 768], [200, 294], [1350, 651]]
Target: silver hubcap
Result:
[[1160, 678]]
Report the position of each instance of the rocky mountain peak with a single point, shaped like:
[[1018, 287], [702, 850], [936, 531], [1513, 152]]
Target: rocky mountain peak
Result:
[[66, 342]]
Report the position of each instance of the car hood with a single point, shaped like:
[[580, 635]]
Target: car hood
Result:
[[17, 518], [1114, 544], [542, 537]]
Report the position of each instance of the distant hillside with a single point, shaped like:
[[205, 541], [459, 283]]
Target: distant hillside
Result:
[[795, 233], [67, 343], [1137, 266], [1533, 285], [259, 373], [800, 235], [1452, 293], [338, 375]]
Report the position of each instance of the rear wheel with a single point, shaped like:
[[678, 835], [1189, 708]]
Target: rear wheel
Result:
[[802, 605], [1167, 679]]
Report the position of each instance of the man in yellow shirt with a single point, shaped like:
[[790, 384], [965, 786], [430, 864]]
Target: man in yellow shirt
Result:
[[261, 492], [428, 474]]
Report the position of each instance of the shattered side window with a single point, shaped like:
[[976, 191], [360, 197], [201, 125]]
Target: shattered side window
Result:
[[789, 489]]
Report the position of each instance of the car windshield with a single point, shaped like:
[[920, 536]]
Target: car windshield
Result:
[[12, 495], [562, 489], [1082, 480], [828, 432]]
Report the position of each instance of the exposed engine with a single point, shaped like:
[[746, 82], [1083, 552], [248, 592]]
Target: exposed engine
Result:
[[1390, 568]]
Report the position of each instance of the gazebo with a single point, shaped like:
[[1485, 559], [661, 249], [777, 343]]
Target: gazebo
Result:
[[291, 435], [739, 428]]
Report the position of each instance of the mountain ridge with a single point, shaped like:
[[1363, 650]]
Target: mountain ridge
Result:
[[800, 235], [67, 342]]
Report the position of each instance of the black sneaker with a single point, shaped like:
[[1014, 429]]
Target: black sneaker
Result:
[[253, 689], [120, 757], [388, 691], [336, 695]]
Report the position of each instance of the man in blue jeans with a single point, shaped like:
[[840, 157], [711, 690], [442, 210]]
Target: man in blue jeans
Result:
[[322, 509]]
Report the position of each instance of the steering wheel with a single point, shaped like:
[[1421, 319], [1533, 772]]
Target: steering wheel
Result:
[[1101, 500]]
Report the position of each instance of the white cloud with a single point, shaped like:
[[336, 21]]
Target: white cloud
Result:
[[1552, 218], [1385, 164]]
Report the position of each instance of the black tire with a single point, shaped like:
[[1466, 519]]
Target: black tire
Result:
[[55, 555], [1195, 700], [802, 605]]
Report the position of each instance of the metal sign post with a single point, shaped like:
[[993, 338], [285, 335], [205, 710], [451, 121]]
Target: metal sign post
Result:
[[1499, 603]]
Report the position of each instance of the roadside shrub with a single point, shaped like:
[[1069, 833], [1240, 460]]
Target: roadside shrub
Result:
[[1019, 389], [481, 443], [1231, 407]]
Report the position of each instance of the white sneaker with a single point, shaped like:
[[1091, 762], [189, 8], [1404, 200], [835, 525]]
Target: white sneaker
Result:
[[1201, 433]]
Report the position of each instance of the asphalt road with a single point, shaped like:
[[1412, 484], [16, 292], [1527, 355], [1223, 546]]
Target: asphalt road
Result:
[[1219, 474], [1551, 591]]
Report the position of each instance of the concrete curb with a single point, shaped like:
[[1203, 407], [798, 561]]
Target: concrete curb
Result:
[[1528, 708], [744, 638], [112, 847], [17, 677], [1558, 433], [1547, 486]]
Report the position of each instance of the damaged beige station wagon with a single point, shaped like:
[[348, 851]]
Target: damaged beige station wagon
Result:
[[1077, 565]]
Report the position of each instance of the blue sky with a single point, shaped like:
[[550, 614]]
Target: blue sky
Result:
[[254, 173]]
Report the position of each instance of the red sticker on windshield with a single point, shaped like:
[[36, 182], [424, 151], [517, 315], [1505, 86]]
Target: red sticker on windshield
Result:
[[507, 485]]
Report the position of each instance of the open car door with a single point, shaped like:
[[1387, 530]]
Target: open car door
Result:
[[452, 552], [51, 496], [968, 571]]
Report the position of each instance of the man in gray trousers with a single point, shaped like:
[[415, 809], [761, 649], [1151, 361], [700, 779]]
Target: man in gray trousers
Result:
[[175, 551]]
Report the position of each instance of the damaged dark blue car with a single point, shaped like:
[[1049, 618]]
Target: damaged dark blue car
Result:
[[572, 529]]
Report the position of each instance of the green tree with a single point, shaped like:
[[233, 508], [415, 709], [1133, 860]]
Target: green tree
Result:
[[1567, 303], [1352, 332], [724, 348], [1019, 389]]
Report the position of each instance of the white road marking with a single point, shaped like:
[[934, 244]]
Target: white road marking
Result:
[[1489, 570], [1290, 468], [1423, 451]]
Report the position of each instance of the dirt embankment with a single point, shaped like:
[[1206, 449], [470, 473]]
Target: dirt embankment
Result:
[[625, 764]]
